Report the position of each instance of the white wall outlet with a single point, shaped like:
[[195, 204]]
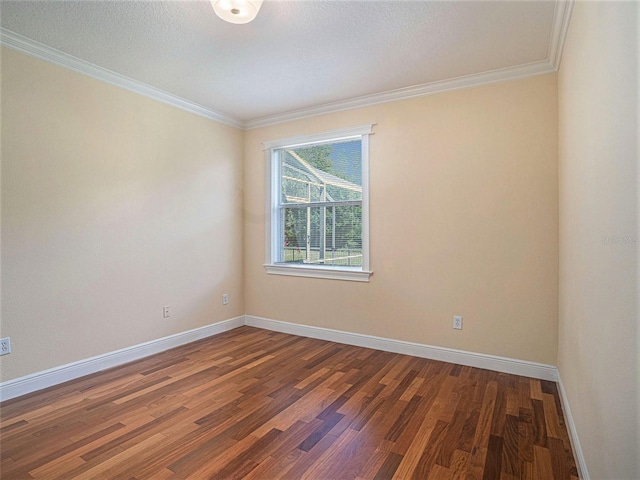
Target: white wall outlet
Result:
[[225, 298], [5, 346], [165, 311], [457, 322]]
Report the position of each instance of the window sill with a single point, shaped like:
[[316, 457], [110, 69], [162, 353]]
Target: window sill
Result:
[[353, 275]]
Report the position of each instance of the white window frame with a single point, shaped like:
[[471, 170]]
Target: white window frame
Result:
[[358, 274]]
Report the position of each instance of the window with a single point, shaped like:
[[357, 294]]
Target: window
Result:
[[318, 211]]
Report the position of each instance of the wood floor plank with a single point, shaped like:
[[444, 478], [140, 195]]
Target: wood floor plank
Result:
[[536, 389], [439, 473], [510, 459], [431, 451], [336, 460], [559, 464], [413, 454], [551, 420], [525, 435], [458, 466], [492, 466], [255, 404], [388, 468], [479, 450], [428, 397], [542, 469], [539, 424]]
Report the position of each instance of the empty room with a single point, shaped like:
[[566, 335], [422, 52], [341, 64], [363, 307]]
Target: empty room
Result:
[[319, 239]]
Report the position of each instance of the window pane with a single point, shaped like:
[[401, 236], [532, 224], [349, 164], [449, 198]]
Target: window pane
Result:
[[321, 173], [336, 241]]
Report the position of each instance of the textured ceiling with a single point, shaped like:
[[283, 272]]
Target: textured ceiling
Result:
[[296, 54]]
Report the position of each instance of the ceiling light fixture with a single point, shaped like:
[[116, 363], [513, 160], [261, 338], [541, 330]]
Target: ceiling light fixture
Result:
[[237, 11]]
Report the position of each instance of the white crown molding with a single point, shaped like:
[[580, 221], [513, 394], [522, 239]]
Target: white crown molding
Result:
[[64, 373], [476, 79], [43, 52], [581, 464], [478, 360], [561, 17]]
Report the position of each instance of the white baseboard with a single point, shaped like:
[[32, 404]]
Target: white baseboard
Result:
[[479, 360], [47, 378], [573, 432], [54, 376]]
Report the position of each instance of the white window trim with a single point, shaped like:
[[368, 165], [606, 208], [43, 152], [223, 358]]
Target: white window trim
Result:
[[271, 234]]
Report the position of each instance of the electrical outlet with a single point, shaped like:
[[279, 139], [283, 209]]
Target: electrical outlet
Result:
[[457, 322], [225, 298], [5, 346], [165, 311]]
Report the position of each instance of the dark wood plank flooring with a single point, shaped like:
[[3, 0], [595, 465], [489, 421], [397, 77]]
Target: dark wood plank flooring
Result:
[[256, 404]]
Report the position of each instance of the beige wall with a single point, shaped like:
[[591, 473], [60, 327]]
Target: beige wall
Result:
[[113, 205], [598, 338], [464, 220]]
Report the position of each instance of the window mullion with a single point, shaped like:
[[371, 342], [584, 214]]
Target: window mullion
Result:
[[348, 203]]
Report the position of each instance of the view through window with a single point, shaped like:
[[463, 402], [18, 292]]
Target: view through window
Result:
[[320, 204]]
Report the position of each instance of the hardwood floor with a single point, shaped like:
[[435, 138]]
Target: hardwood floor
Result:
[[256, 404]]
